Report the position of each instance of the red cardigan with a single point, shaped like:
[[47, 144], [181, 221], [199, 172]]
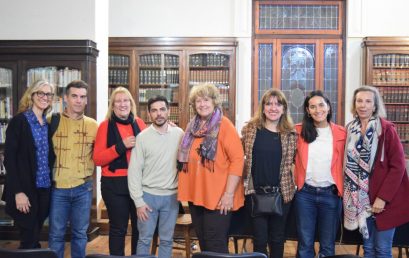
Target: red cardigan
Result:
[[104, 155], [389, 179], [301, 157]]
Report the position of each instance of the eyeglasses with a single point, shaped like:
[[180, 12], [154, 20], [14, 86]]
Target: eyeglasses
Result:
[[41, 94]]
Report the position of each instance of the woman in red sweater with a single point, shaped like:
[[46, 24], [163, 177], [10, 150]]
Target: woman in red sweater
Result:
[[114, 142]]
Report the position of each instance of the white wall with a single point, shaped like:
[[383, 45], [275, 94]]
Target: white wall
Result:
[[47, 19]]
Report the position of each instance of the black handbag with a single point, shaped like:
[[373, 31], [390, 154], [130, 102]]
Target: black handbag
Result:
[[266, 203]]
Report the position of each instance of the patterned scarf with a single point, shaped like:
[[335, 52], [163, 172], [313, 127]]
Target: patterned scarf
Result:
[[360, 154], [210, 131]]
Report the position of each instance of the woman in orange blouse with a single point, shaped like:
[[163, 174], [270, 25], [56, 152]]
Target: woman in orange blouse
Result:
[[113, 144], [211, 160]]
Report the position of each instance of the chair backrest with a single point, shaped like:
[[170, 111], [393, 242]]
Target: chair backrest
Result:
[[223, 255], [27, 253], [116, 256]]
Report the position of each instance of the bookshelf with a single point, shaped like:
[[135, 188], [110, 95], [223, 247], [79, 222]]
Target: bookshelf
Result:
[[25, 61], [387, 68], [171, 67]]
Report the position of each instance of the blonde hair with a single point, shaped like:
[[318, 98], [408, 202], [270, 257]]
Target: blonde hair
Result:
[[112, 100], [285, 124], [380, 110], [26, 102], [204, 90]]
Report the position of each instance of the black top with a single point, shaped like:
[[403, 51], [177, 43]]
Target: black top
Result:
[[266, 164]]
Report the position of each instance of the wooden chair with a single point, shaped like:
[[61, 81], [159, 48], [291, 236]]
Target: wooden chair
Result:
[[184, 224], [27, 253]]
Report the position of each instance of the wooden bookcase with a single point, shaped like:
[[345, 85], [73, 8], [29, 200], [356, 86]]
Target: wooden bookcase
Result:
[[298, 47], [57, 61], [386, 66], [171, 67]]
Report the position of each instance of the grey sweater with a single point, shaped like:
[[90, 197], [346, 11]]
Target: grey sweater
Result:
[[152, 167]]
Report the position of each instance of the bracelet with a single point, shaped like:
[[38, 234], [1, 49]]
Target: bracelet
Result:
[[229, 194]]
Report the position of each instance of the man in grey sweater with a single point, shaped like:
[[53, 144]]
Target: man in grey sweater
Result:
[[152, 178]]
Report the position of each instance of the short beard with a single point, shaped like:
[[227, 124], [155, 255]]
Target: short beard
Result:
[[159, 125]]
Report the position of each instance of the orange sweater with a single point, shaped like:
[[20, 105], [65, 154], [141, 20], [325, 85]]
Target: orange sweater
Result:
[[205, 188], [104, 155]]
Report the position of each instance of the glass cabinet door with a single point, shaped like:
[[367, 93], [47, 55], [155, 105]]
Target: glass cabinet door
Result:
[[159, 75], [118, 71], [212, 68], [298, 67], [60, 77], [6, 113]]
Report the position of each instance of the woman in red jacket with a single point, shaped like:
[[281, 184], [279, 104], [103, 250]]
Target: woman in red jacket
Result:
[[376, 182], [318, 175], [115, 139]]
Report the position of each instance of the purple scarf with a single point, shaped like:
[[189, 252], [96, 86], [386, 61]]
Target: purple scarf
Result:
[[210, 131]]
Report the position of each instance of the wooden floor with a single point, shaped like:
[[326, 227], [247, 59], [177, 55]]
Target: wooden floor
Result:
[[100, 245]]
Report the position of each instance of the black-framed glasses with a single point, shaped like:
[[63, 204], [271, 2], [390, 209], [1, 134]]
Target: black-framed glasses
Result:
[[41, 94]]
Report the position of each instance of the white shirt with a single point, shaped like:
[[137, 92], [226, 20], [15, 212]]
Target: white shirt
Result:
[[318, 172]]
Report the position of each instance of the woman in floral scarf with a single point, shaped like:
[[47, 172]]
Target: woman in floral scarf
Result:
[[211, 164], [376, 184]]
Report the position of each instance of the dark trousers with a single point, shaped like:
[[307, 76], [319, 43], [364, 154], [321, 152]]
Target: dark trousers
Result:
[[120, 207], [30, 235], [269, 230], [211, 228]]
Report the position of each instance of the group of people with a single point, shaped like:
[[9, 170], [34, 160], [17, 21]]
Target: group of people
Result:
[[317, 166]]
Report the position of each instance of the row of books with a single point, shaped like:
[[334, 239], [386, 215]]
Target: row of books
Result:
[[58, 105], [391, 60], [403, 132], [2, 168], [203, 60], [171, 94], [394, 94], [118, 61], [156, 60], [3, 128], [406, 149], [5, 78], [118, 76], [150, 60], [167, 76], [390, 77], [6, 108], [212, 76], [223, 90], [54, 75], [173, 114], [399, 113]]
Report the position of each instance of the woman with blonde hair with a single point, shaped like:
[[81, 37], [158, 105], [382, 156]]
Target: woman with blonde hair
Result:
[[28, 159], [211, 164], [113, 144], [376, 183], [269, 143]]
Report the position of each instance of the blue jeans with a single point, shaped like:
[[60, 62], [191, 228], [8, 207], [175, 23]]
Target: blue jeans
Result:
[[70, 205], [166, 209], [317, 207], [379, 244]]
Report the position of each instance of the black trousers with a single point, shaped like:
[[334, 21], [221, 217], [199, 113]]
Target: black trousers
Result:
[[30, 235], [120, 207], [269, 230], [211, 228]]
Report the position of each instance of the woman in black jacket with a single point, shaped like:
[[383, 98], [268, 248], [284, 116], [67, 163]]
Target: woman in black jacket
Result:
[[28, 159]]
